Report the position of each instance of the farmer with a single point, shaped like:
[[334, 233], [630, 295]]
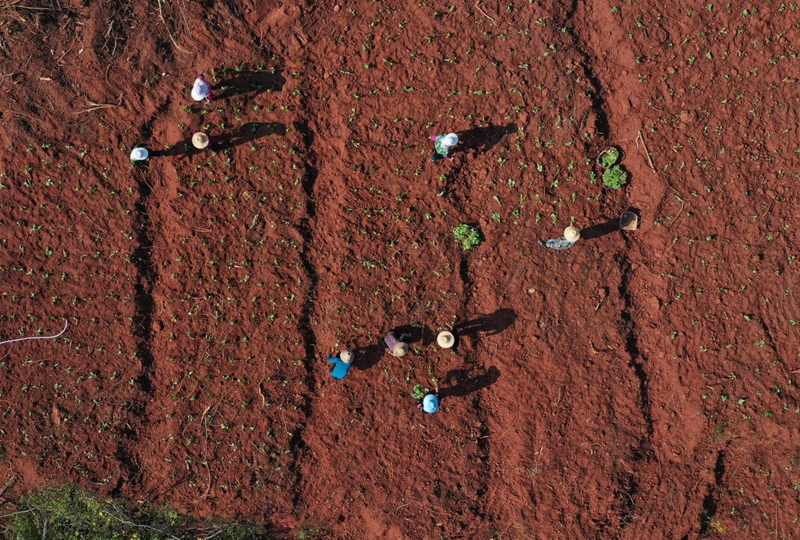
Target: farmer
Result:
[[139, 155], [341, 363], [429, 404], [200, 140], [442, 145], [201, 89], [571, 235], [395, 343]]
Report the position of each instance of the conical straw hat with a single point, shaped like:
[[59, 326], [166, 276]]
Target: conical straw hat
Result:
[[200, 140], [445, 339], [572, 234], [400, 349]]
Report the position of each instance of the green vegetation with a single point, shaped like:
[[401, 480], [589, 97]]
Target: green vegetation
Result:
[[615, 177], [467, 235], [68, 512]]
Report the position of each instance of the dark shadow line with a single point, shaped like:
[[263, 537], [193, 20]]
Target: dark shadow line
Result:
[[490, 324], [248, 82], [470, 385], [482, 139]]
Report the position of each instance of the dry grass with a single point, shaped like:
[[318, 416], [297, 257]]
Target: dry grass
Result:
[[13, 10]]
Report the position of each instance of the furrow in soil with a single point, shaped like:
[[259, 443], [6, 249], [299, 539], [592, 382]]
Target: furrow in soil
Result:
[[599, 106], [710, 500], [298, 445]]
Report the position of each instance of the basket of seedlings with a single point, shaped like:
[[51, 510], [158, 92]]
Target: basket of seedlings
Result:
[[608, 157]]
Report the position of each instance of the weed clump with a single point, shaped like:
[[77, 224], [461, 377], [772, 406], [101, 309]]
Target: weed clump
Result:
[[467, 235], [615, 177]]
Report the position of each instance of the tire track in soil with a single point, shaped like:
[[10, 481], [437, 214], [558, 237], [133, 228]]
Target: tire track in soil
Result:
[[627, 485], [483, 440], [297, 444], [709, 501], [599, 105], [142, 322]]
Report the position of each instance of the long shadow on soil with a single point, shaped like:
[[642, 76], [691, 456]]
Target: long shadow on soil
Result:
[[610, 226], [466, 385], [600, 230], [482, 139], [244, 134], [490, 324], [366, 357], [248, 82]]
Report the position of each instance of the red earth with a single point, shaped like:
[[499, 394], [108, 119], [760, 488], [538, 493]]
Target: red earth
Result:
[[640, 385]]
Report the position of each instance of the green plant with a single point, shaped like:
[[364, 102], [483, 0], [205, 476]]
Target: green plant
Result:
[[615, 177], [419, 392], [467, 235], [67, 512]]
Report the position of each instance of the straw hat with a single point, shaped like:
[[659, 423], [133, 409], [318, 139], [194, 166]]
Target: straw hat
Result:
[[138, 154], [445, 339], [346, 356], [572, 234], [200, 140], [400, 349], [430, 404], [451, 139]]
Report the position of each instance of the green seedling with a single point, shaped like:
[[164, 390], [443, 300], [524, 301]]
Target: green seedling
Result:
[[467, 236], [615, 177]]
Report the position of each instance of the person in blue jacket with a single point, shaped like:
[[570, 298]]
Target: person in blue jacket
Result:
[[429, 404], [341, 363]]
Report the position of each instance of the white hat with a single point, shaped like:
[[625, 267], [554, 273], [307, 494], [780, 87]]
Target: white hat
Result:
[[346, 356], [445, 339], [139, 154], [572, 234], [200, 140], [200, 90], [400, 349], [451, 139]]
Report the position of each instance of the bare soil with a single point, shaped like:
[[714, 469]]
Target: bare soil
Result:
[[640, 385]]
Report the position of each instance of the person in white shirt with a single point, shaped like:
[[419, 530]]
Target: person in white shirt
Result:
[[201, 89], [139, 155]]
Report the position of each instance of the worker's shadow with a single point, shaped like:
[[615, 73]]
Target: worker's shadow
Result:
[[464, 384], [601, 229], [367, 357], [482, 139], [244, 134], [247, 133], [182, 148], [490, 324], [611, 225], [248, 82]]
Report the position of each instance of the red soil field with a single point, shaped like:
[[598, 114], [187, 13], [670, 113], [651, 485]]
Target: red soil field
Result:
[[641, 384]]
